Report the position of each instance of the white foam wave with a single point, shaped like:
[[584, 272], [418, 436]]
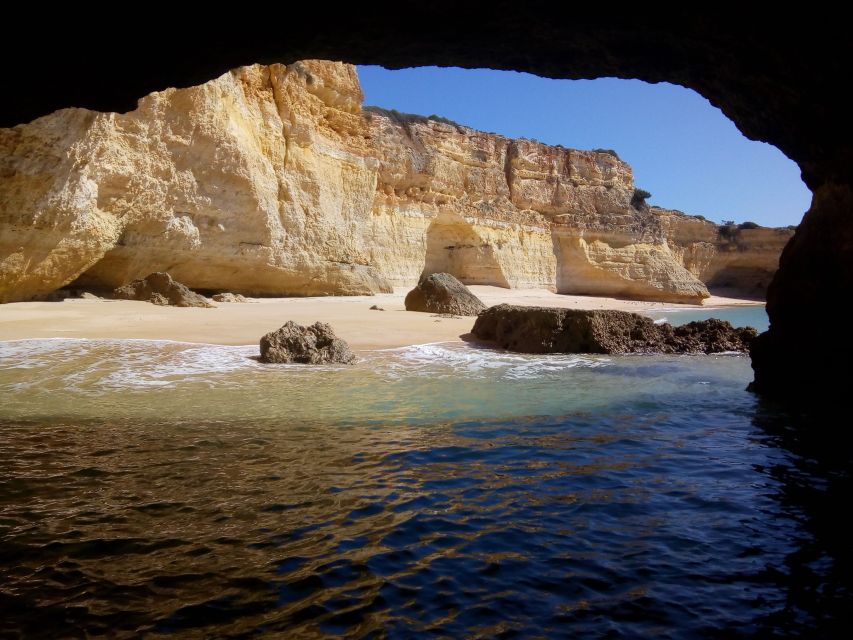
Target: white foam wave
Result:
[[451, 359], [103, 366]]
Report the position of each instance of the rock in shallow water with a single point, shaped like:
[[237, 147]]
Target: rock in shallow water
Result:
[[316, 344], [442, 293], [159, 288], [555, 330]]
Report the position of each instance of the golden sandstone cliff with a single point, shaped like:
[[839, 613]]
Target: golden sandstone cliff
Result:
[[274, 180]]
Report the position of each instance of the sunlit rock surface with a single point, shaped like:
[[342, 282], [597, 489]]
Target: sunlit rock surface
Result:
[[274, 180]]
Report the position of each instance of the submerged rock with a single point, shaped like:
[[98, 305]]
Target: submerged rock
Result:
[[159, 288], [316, 344], [555, 330], [442, 293], [376, 307], [229, 297]]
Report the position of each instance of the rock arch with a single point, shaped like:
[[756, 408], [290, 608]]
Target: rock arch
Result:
[[782, 80]]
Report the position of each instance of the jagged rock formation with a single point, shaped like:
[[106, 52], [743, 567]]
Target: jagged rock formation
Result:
[[160, 288], [273, 180], [316, 344], [442, 293], [554, 330], [228, 297]]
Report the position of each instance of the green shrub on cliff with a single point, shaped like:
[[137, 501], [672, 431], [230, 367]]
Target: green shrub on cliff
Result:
[[609, 152], [443, 119], [638, 200], [728, 231]]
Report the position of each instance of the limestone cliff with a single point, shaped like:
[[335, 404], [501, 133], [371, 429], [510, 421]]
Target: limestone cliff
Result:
[[274, 180], [735, 259]]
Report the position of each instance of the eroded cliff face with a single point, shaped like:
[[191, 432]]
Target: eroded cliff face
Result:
[[274, 180], [729, 259]]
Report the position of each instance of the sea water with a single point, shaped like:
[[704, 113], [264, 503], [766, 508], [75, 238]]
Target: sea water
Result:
[[161, 488], [741, 316]]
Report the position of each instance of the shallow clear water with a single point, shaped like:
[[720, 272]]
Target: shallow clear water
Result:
[[173, 489], [745, 316]]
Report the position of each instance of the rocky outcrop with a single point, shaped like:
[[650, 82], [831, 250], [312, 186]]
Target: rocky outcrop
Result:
[[228, 297], [160, 288], [553, 330], [624, 255], [316, 344], [273, 180], [806, 352], [731, 259], [442, 293]]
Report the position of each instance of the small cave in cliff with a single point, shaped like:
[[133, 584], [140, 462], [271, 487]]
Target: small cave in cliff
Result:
[[453, 246]]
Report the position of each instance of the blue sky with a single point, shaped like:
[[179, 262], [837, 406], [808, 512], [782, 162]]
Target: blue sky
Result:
[[686, 152]]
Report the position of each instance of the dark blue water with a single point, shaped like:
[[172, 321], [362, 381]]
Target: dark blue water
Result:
[[647, 497]]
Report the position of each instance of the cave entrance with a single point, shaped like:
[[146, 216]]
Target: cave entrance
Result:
[[453, 246]]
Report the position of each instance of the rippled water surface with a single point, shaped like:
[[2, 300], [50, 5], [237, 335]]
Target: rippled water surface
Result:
[[164, 489]]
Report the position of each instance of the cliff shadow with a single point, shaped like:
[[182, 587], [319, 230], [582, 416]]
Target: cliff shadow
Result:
[[741, 282], [454, 247]]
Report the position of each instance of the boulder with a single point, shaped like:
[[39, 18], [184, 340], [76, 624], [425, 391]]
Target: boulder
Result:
[[316, 344], [229, 297], [159, 288], [555, 330], [710, 336], [442, 293]]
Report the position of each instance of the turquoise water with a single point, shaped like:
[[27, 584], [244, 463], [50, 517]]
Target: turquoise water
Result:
[[167, 489], [745, 316]]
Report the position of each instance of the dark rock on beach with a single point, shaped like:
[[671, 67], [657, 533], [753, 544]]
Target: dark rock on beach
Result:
[[442, 293], [555, 330], [159, 288], [316, 344]]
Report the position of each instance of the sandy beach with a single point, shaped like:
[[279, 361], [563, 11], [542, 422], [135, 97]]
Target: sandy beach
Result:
[[237, 324]]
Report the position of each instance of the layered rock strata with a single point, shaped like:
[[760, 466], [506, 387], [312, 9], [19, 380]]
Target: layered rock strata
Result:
[[736, 259], [273, 180], [555, 330]]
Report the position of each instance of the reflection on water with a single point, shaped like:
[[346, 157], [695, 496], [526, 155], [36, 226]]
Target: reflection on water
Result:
[[158, 490]]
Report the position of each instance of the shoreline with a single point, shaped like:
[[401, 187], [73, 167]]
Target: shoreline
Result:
[[239, 324]]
